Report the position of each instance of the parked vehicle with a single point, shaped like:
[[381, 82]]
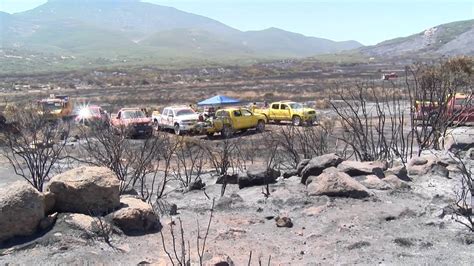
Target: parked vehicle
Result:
[[295, 112], [181, 119], [91, 114], [56, 107], [134, 121], [230, 120], [459, 109], [389, 76]]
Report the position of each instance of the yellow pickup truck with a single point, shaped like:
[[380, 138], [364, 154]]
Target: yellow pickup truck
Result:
[[230, 120], [288, 111]]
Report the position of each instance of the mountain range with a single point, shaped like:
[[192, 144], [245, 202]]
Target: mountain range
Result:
[[128, 25], [456, 38], [104, 32]]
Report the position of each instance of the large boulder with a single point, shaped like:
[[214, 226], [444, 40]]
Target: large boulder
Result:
[[135, 216], [317, 165], [374, 182], [21, 210], [399, 171], [421, 165], [355, 168], [432, 165], [461, 138], [258, 177], [229, 179], [337, 184], [85, 190], [396, 182], [301, 165], [84, 226]]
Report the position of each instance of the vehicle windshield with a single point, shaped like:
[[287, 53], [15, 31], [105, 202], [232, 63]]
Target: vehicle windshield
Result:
[[296, 105], [133, 114], [52, 106], [184, 112]]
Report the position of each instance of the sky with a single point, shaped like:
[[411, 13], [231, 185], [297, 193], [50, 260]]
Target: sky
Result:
[[366, 21]]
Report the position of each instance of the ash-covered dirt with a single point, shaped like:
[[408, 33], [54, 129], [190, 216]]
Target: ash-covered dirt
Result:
[[409, 226]]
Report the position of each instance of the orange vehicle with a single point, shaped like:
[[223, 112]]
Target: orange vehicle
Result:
[[56, 107]]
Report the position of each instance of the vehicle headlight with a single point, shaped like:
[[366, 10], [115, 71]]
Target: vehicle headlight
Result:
[[84, 113]]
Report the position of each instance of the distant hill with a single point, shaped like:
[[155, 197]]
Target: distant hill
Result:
[[456, 38], [132, 28], [277, 41]]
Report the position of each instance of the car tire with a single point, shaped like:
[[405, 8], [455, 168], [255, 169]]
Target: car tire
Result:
[[260, 126], [156, 125], [296, 121], [227, 131], [177, 130]]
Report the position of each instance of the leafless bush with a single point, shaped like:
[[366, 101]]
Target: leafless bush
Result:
[[226, 158], [269, 153], [34, 144], [131, 161], [374, 131], [296, 143], [158, 184], [259, 260], [190, 160], [179, 254], [429, 86], [463, 206]]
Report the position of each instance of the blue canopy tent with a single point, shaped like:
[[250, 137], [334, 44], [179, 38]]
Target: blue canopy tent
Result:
[[219, 100]]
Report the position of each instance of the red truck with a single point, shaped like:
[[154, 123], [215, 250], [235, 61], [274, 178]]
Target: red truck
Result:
[[459, 109], [134, 121]]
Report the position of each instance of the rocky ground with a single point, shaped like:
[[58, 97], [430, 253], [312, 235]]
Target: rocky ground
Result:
[[372, 217], [396, 222]]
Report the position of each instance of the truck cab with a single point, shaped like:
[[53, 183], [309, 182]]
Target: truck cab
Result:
[[180, 119], [134, 121], [294, 112], [230, 120], [56, 107], [461, 108]]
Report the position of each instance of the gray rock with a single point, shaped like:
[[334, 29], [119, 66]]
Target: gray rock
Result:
[[258, 177], [355, 168], [317, 165], [135, 216], [301, 165], [337, 185], [196, 185], [462, 139], [283, 222], [22, 209], [49, 202], [220, 260], [399, 171], [374, 182], [396, 182], [290, 173], [230, 179], [87, 226], [418, 161], [48, 221], [440, 170], [470, 154], [227, 203], [85, 190]]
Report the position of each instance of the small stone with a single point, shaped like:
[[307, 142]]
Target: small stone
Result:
[[283, 222]]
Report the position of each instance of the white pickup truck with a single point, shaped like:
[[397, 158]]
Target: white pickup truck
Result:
[[181, 119]]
